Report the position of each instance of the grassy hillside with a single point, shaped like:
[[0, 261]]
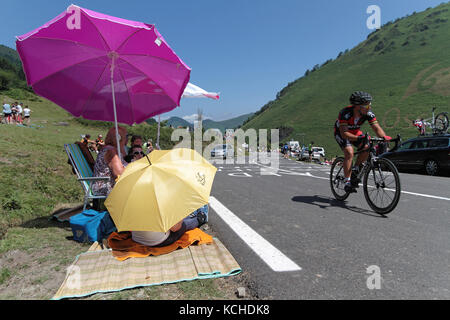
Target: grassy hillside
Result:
[[178, 122], [405, 66], [12, 78], [226, 124], [211, 124]]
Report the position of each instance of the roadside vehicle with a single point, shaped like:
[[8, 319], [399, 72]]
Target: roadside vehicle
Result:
[[294, 145], [425, 153], [222, 151], [303, 154], [318, 152]]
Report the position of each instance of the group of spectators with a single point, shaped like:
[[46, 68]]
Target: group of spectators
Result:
[[134, 152], [94, 146], [15, 113]]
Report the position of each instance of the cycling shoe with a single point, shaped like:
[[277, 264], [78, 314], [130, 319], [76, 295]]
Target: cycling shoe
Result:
[[349, 188]]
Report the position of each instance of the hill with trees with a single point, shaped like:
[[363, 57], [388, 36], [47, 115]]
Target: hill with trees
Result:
[[405, 65]]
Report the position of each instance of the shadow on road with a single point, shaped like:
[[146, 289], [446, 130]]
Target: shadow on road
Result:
[[327, 202]]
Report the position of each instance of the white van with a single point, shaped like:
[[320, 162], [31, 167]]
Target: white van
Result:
[[294, 145]]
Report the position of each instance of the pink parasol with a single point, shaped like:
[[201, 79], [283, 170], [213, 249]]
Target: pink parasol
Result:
[[102, 67]]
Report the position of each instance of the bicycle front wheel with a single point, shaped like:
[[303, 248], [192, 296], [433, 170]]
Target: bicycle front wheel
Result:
[[337, 179], [382, 186], [441, 122]]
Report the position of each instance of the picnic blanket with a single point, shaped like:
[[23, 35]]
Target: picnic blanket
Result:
[[99, 271], [123, 247]]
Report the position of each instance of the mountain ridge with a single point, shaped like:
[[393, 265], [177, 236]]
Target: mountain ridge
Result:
[[405, 65]]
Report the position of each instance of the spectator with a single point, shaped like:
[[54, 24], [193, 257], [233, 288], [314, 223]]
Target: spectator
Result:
[[134, 154], [136, 140], [162, 239], [99, 143], [26, 115], [108, 163], [89, 143], [7, 112], [310, 150], [148, 146], [14, 112], [19, 113], [286, 151]]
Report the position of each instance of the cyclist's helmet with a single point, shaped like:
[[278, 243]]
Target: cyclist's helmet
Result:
[[360, 98]]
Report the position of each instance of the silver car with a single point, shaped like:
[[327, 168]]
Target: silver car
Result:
[[222, 151]]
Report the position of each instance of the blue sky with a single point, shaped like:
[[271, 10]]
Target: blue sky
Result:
[[247, 50]]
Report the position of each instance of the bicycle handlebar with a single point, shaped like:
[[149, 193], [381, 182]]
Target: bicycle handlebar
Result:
[[384, 140], [378, 140]]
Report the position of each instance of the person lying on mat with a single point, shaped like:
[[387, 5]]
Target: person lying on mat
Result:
[[162, 239], [108, 163]]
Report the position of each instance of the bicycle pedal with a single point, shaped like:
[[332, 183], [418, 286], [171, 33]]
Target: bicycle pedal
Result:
[[350, 189]]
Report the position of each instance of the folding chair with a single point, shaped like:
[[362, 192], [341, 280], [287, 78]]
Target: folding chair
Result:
[[83, 171]]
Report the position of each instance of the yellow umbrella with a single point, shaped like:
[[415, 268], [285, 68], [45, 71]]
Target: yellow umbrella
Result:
[[156, 192]]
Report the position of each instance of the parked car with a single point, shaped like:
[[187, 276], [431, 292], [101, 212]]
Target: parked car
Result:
[[429, 153], [222, 151], [319, 150], [303, 154], [318, 153]]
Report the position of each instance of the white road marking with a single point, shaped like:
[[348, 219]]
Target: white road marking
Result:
[[323, 178], [424, 195], [274, 258], [240, 174]]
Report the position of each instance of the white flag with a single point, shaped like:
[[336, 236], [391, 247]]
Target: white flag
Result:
[[192, 91]]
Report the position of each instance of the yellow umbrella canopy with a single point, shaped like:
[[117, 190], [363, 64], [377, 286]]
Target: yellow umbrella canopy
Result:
[[155, 193]]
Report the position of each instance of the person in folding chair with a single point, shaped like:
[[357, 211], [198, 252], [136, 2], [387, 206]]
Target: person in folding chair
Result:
[[108, 163]]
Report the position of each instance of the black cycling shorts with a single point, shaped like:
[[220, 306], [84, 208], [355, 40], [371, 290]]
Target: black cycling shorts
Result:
[[343, 143]]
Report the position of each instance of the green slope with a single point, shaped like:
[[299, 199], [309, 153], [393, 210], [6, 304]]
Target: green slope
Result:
[[405, 65], [178, 122], [210, 124], [12, 78], [226, 124]]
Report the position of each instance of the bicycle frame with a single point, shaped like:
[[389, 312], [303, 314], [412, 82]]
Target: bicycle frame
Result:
[[431, 122], [372, 158]]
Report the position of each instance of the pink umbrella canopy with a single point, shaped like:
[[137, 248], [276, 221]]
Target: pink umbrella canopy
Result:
[[92, 64]]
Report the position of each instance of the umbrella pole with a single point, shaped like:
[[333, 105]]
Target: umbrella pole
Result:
[[113, 57], [157, 137]]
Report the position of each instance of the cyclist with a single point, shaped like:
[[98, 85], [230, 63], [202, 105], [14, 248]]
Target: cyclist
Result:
[[347, 133]]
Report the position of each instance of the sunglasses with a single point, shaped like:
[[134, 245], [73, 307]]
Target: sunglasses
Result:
[[139, 152]]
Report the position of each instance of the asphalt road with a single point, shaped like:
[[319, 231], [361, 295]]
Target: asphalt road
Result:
[[342, 250]]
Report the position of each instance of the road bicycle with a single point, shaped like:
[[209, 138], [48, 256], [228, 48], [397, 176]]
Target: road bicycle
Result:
[[438, 124], [379, 176]]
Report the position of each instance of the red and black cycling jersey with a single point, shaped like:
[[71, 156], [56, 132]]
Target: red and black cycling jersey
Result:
[[347, 116]]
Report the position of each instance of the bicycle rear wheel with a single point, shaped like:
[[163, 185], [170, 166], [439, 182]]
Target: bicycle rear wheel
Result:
[[441, 123], [382, 186], [337, 179]]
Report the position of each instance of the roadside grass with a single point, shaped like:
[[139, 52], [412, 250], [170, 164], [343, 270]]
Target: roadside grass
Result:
[[36, 181]]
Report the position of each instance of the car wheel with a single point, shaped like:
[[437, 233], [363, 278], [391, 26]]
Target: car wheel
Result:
[[431, 167]]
